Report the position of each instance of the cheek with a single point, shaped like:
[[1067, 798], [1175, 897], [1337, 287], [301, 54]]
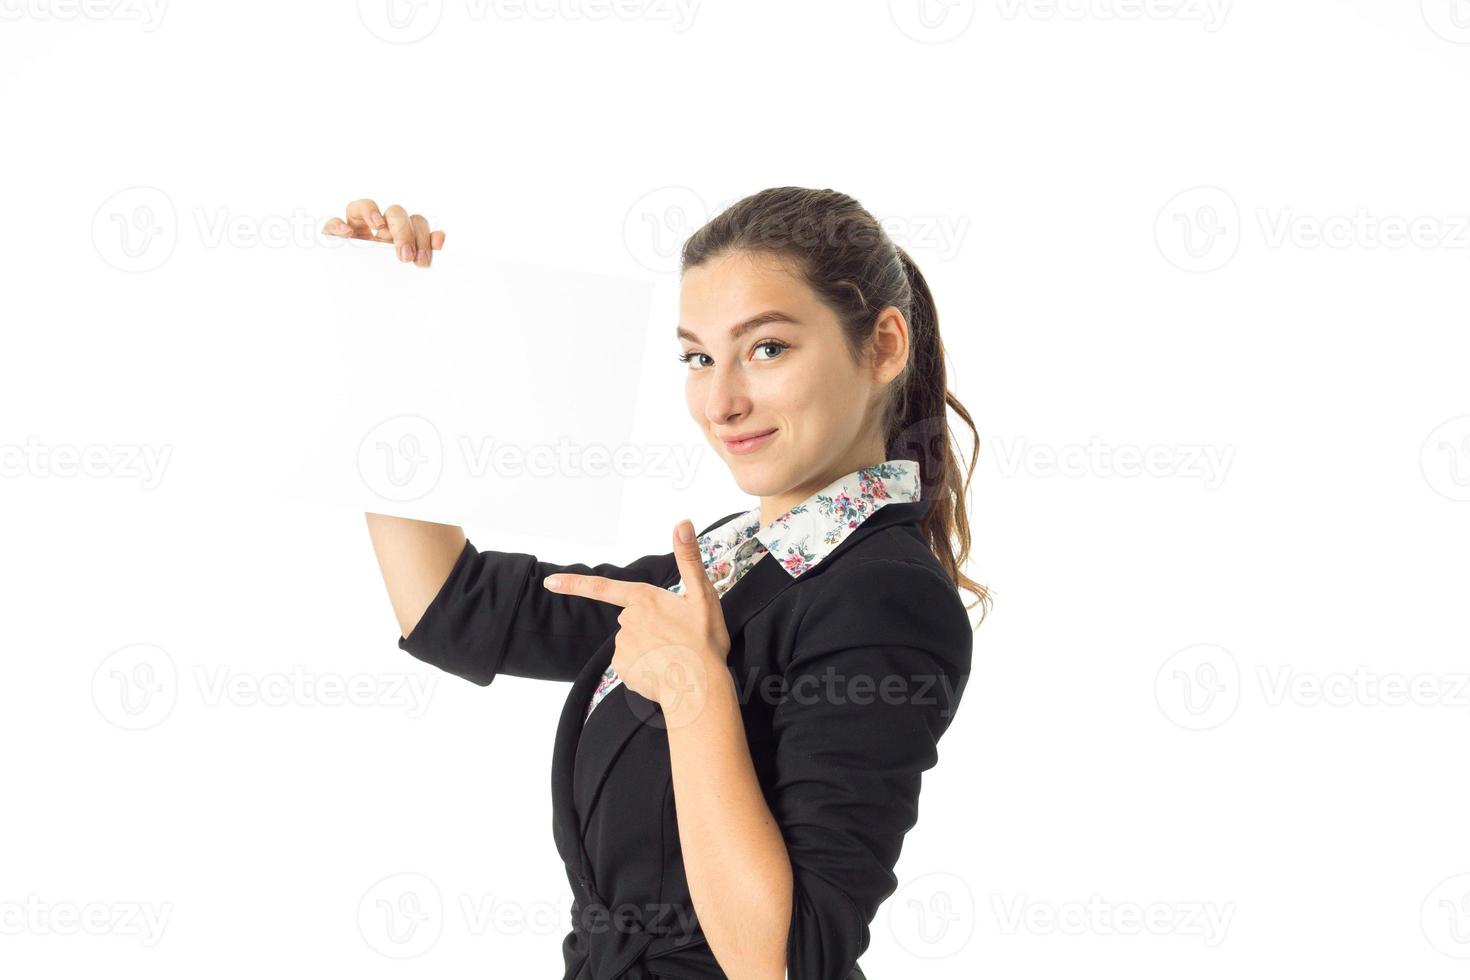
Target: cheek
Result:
[[818, 411], [693, 402], [793, 392]]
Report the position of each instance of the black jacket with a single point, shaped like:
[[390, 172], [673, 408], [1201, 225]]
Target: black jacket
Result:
[[847, 676]]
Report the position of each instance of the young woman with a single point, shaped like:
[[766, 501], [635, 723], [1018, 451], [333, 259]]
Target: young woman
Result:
[[740, 755]]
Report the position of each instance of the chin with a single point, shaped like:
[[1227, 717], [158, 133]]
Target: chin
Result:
[[752, 479]]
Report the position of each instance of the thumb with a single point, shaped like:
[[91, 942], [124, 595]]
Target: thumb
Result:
[[691, 565]]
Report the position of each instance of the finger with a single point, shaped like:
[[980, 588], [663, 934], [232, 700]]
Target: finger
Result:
[[691, 564], [597, 587], [436, 240], [421, 238], [402, 229], [364, 218], [340, 228]]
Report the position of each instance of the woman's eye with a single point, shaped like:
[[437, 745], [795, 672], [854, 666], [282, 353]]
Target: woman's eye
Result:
[[696, 360]]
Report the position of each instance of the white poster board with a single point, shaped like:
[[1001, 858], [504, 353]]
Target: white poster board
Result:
[[476, 391]]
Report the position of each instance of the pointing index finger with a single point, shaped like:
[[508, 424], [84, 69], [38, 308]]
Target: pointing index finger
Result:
[[594, 587]]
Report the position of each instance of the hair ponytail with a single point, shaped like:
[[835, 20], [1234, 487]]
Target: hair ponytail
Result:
[[917, 428]]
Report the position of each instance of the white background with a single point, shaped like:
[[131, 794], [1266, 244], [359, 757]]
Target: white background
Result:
[[1227, 698]]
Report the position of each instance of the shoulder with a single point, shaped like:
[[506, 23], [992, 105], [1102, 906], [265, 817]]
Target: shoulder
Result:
[[885, 595], [892, 558]]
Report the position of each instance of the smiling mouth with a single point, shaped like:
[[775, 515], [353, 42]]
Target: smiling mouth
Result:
[[748, 445]]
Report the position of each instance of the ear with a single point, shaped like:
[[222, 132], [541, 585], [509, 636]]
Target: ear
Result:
[[889, 345]]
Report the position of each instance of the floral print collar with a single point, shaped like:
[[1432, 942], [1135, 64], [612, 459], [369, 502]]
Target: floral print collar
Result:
[[808, 532]]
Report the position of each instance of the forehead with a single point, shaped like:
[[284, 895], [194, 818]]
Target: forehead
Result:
[[737, 285]]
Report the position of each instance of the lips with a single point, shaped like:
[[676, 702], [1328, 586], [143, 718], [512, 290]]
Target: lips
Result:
[[752, 441]]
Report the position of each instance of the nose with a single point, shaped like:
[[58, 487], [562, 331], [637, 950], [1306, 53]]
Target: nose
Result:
[[726, 399]]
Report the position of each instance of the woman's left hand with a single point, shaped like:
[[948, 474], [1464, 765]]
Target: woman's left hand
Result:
[[667, 645]]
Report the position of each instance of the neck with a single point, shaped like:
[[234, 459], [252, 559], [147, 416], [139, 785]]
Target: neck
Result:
[[775, 505]]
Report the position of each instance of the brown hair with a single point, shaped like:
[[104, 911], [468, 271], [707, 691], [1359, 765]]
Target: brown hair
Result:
[[847, 258]]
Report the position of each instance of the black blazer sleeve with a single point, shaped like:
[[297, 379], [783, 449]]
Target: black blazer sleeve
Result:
[[880, 659], [493, 616]]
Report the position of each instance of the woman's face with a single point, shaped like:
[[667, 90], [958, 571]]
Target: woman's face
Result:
[[766, 355]]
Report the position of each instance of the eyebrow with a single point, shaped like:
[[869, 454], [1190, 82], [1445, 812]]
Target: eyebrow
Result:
[[740, 329]]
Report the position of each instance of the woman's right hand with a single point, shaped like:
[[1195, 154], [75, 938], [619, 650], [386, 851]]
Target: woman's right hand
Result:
[[408, 233]]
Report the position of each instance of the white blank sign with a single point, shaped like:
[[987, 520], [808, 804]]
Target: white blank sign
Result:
[[476, 391]]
